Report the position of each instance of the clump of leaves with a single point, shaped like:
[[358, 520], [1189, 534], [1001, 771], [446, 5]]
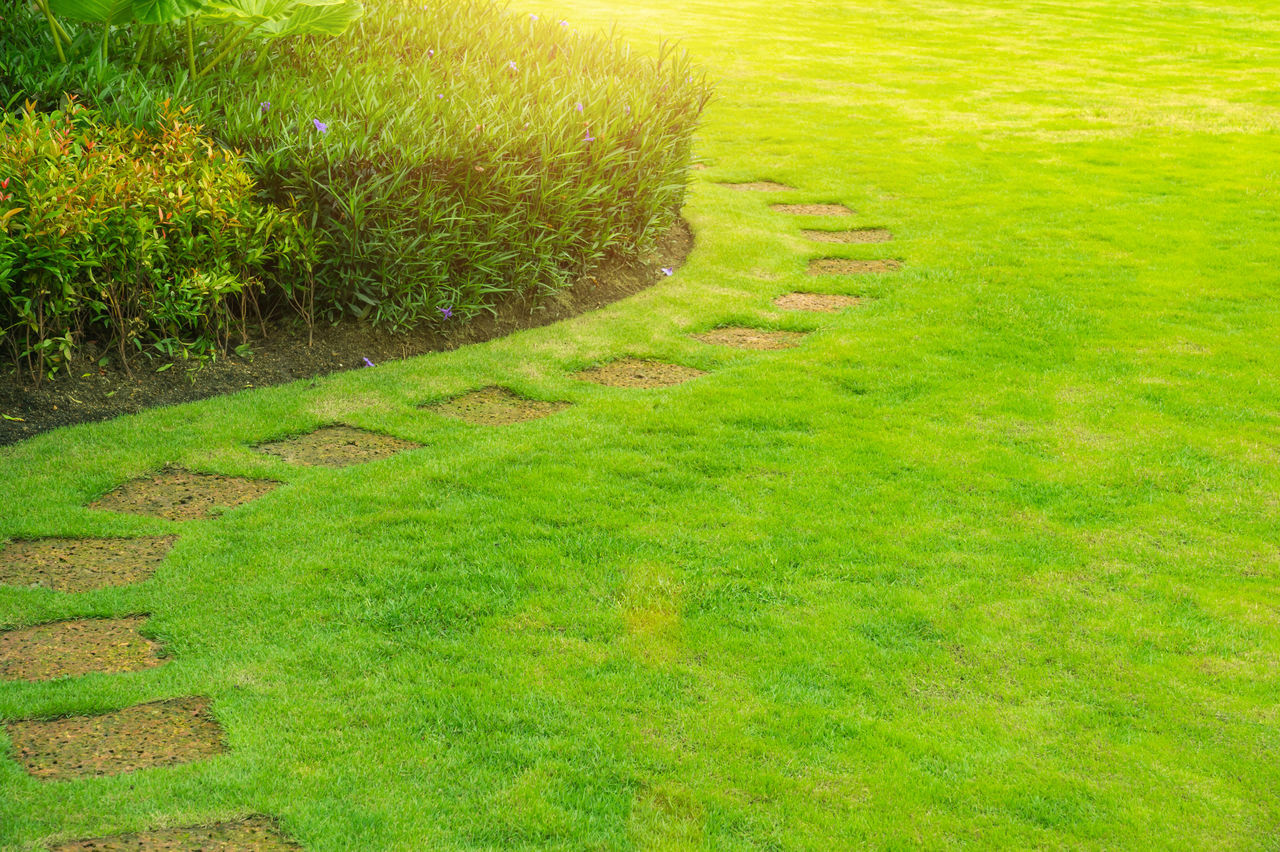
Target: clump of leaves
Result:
[[138, 240]]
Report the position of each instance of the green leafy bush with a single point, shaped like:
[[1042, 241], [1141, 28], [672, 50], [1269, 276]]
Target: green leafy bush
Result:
[[132, 238], [450, 153]]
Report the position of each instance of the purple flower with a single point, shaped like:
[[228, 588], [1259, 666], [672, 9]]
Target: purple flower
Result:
[[446, 312], [578, 106], [668, 271], [533, 17], [367, 362], [512, 65], [431, 53], [590, 138], [264, 106], [320, 125], [564, 23], [627, 109]]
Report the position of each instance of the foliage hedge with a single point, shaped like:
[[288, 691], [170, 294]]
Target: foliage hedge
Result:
[[447, 153]]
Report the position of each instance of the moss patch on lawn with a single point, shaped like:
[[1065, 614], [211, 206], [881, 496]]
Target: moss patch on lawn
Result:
[[74, 648], [82, 564], [182, 495]]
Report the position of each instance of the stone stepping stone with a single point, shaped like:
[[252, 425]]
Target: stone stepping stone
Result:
[[82, 564], [74, 648], [826, 303], [182, 495], [844, 266], [161, 733], [257, 833], [495, 406], [758, 186], [337, 446], [639, 373], [751, 338], [857, 235], [812, 209]]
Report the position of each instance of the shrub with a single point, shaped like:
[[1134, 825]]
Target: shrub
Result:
[[137, 239], [450, 153]]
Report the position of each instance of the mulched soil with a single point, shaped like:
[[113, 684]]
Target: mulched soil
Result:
[[74, 648], [812, 209], [89, 393], [162, 733], [255, 834], [844, 266], [857, 235], [82, 564], [496, 407], [182, 495], [337, 446], [751, 338], [758, 186], [637, 373], [827, 303]]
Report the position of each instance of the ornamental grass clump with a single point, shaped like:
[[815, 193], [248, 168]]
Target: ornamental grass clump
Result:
[[135, 240]]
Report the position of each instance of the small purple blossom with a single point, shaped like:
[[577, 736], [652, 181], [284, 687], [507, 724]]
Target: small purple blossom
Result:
[[320, 125], [431, 52], [578, 106], [533, 17], [512, 65], [367, 362], [264, 106], [564, 23], [446, 312], [589, 137], [668, 271], [627, 109]]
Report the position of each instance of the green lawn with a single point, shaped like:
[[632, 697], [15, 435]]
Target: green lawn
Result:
[[991, 561]]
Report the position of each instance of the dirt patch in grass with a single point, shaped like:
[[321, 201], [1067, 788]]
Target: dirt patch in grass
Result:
[[496, 407], [82, 564], [844, 266], [162, 733], [812, 209], [257, 833], [74, 648], [751, 338], [87, 393], [827, 303], [182, 495], [638, 373], [758, 186], [857, 235], [337, 446]]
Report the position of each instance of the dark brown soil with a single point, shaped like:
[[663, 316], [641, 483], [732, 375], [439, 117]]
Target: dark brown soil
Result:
[[812, 209], [635, 373], [758, 186], [844, 266], [89, 393], [162, 733], [751, 338], [182, 495], [337, 446], [496, 407], [857, 235], [827, 303], [74, 648], [255, 834], [81, 564]]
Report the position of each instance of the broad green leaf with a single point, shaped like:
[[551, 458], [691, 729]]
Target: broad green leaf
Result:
[[164, 11], [94, 11], [315, 20], [258, 12]]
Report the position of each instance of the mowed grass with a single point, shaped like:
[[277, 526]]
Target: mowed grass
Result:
[[991, 561]]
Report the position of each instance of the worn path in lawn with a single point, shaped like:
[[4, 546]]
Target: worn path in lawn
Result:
[[986, 554]]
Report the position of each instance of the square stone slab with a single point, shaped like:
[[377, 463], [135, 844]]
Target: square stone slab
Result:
[[857, 235], [162, 733], [182, 495], [843, 266], [812, 209], [257, 833], [494, 406], [639, 373], [758, 186], [82, 564], [337, 446], [826, 303], [751, 338], [74, 648]]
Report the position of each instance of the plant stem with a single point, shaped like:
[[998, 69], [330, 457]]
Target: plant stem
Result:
[[53, 29], [106, 33], [191, 47], [143, 43], [228, 44]]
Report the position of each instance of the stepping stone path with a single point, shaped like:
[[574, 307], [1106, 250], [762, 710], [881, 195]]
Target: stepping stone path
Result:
[[825, 303], [857, 235], [257, 833], [812, 209], [337, 446], [74, 648], [162, 733], [751, 338], [181, 495], [637, 373], [81, 564], [758, 186], [496, 406], [844, 266]]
